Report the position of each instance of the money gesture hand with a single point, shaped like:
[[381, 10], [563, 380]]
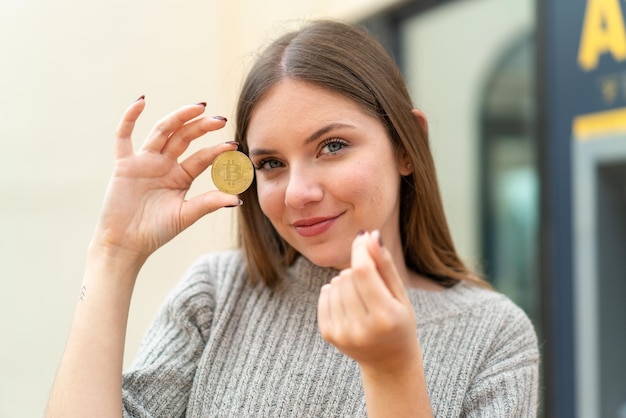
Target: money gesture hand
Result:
[[365, 311]]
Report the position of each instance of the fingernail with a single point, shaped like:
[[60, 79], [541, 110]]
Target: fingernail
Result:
[[201, 104], [380, 238], [361, 232], [232, 143], [234, 206], [220, 118], [143, 96]]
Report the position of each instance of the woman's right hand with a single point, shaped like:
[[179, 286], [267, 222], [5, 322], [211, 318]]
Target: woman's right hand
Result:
[[145, 205]]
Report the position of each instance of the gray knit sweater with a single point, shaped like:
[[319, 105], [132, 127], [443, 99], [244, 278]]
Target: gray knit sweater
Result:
[[223, 348]]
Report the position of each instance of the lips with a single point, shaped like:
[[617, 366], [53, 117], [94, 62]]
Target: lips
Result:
[[311, 227]]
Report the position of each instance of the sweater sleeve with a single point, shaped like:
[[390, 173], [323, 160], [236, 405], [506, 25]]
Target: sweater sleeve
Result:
[[159, 381], [507, 383]]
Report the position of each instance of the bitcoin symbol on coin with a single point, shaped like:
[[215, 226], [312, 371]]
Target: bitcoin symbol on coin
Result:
[[232, 172]]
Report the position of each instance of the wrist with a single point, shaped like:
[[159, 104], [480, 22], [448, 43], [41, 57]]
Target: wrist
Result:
[[397, 392], [402, 359], [394, 370], [113, 262], [100, 246]]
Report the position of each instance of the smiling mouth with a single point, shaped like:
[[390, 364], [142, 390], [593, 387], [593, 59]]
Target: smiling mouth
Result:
[[314, 226]]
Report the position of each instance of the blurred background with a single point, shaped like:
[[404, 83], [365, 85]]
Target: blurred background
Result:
[[526, 101]]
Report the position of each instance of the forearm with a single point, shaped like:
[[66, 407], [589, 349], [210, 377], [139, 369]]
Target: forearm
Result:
[[400, 394], [88, 382]]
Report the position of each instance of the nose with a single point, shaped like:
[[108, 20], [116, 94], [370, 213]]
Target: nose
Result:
[[303, 187]]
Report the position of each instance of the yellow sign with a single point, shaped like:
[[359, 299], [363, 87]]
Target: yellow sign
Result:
[[603, 32], [599, 124]]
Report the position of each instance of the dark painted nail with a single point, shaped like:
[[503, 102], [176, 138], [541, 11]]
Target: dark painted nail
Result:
[[220, 118], [361, 232], [380, 240], [143, 96], [234, 206], [201, 104], [232, 143]]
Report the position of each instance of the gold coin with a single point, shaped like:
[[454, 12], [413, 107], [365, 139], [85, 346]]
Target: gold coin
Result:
[[232, 172]]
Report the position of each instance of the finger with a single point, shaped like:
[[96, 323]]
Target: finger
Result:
[[159, 135], [195, 208], [324, 318], [352, 303], [337, 311], [386, 266], [179, 141], [370, 285], [124, 131], [197, 162]]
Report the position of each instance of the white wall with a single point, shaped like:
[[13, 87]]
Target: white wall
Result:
[[67, 71]]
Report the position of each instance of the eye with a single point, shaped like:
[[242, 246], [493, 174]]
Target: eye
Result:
[[268, 164], [333, 146]]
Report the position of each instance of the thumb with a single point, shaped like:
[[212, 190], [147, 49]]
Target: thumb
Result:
[[208, 202], [386, 266]]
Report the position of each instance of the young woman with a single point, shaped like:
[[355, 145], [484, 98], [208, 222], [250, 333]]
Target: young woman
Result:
[[346, 298]]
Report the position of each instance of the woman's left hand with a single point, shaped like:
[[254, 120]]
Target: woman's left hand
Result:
[[365, 311]]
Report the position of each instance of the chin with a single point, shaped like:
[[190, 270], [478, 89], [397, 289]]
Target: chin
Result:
[[328, 261]]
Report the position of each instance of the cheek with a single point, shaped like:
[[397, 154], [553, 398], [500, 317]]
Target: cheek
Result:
[[372, 183], [270, 199], [355, 185]]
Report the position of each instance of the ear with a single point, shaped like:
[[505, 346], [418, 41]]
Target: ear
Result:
[[421, 118], [405, 166]]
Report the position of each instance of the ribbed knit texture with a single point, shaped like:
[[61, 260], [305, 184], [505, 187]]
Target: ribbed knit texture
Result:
[[223, 348]]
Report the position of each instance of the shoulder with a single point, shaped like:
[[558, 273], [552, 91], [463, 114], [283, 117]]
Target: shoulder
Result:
[[497, 309], [483, 341], [201, 283], [217, 264], [482, 312], [463, 299], [214, 268]]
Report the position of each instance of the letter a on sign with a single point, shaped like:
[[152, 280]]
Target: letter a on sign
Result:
[[602, 32]]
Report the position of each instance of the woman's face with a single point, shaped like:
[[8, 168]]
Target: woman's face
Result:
[[325, 170]]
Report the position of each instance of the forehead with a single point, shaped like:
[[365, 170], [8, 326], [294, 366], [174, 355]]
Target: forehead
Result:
[[297, 106]]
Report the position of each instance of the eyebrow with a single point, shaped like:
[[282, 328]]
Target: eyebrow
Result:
[[313, 137]]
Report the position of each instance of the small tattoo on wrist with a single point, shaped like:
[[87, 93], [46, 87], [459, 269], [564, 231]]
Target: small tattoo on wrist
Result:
[[83, 290]]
